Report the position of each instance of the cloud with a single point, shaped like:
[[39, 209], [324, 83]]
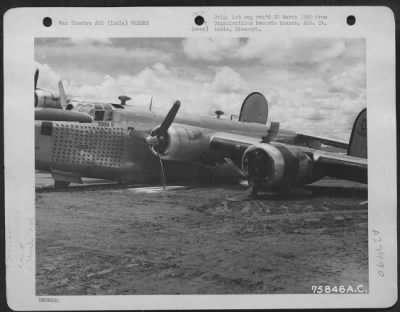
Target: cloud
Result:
[[316, 50], [224, 89], [48, 78], [349, 81], [210, 49], [161, 68], [96, 55], [229, 103], [88, 41], [269, 51], [313, 85], [291, 50], [227, 80], [91, 54]]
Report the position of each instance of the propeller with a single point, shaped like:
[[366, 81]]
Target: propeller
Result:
[[35, 85], [50, 100], [158, 139], [235, 167], [169, 119], [151, 103], [36, 77], [62, 95], [163, 179]]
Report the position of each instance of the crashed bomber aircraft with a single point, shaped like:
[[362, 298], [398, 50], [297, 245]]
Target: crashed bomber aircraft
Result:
[[129, 145]]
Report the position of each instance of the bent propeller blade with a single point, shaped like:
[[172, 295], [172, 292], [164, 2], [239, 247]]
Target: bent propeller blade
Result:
[[236, 168]]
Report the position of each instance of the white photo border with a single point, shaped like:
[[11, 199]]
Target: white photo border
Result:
[[22, 25]]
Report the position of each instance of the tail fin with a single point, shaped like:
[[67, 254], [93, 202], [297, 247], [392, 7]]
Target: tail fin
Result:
[[358, 140], [254, 108]]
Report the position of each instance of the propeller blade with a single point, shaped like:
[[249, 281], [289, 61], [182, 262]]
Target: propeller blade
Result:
[[156, 139], [36, 77], [236, 168], [61, 93], [163, 180], [151, 103], [169, 119]]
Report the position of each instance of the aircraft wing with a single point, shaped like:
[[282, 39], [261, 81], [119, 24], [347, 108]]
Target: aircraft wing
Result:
[[341, 166], [337, 165], [233, 139], [307, 138], [329, 158], [265, 163], [232, 146]]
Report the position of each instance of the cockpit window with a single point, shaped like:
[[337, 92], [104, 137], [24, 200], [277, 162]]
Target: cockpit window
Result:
[[99, 115], [107, 106]]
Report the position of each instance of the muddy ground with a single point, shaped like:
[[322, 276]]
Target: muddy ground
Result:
[[200, 240]]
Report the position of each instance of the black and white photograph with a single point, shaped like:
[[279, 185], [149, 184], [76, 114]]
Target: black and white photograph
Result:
[[200, 166], [200, 158]]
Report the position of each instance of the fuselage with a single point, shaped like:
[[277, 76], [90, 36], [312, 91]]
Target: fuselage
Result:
[[114, 148]]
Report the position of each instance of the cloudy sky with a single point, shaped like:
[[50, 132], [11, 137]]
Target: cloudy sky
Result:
[[314, 85]]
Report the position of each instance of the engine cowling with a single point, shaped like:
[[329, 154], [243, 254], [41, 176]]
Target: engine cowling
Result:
[[53, 114], [46, 99], [277, 165], [183, 143]]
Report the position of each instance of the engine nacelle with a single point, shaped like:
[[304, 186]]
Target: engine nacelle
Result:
[[277, 165], [46, 99], [53, 114], [184, 143]]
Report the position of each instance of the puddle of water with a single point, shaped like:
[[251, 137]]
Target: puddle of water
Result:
[[158, 189]]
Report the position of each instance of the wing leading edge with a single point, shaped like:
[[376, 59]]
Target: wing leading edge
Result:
[[307, 138]]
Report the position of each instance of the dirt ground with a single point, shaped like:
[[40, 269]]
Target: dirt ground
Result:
[[203, 240]]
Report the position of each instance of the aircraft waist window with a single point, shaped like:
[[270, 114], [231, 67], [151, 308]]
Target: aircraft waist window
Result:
[[46, 128]]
